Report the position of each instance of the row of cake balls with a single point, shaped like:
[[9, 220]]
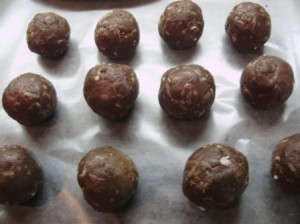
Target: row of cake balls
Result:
[[186, 91], [214, 176], [181, 25]]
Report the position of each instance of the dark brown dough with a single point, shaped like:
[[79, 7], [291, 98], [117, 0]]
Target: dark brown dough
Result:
[[181, 24], [267, 82], [187, 91], [285, 166], [20, 175], [117, 34], [48, 34], [214, 176], [248, 27], [108, 178], [30, 99], [111, 90]]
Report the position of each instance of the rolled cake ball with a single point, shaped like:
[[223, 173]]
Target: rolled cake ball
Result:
[[248, 27], [181, 24], [48, 34], [117, 34], [20, 175], [111, 90], [30, 99], [186, 91], [267, 82], [108, 178], [285, 167], [214, 176]]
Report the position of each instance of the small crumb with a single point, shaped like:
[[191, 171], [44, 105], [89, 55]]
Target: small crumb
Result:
[[118, 105], [219, 146], [277, 158], [292, 167], [225, 161], [8, 173], [83, 173], [201, 208], [194, 28], [99, 157]]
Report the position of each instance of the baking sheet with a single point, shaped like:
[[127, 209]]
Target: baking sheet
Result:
[[159, 145]]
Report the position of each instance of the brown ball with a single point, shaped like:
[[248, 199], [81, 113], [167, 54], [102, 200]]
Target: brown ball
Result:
[[267, 82], [214, 176], [285, 168], [111, 90], [117, 34], [181, 24], [248, 27], [29, 99], [20, 175], [48, 34], [108, 178], [187, 91]]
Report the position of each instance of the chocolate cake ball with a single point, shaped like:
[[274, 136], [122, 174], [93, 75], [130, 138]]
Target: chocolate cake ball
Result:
[[214, 176], [285, 166], [20, 175], [248, 27], [181, 24], [30, 99], [108, 178], [111, 90], [48, 34], [267, 82], [186, 91], [117, 34]]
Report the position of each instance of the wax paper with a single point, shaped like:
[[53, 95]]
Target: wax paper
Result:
[[158, 144]]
